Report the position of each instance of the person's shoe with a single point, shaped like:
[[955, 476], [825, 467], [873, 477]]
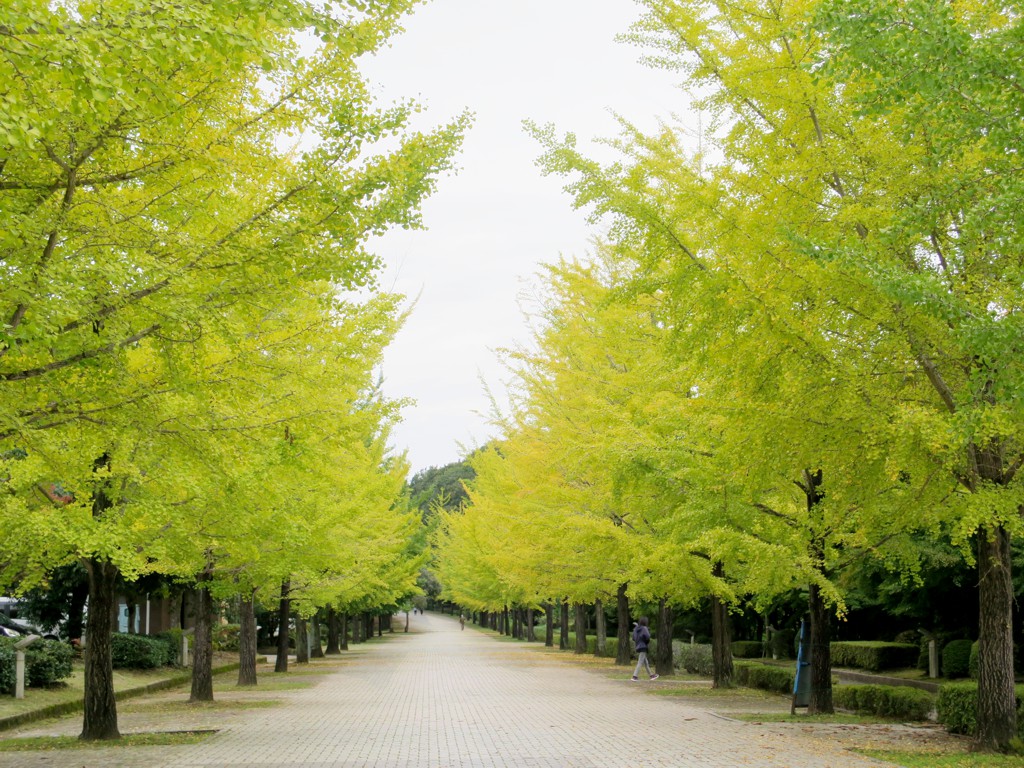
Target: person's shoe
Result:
[[655, 677], [633, 678]]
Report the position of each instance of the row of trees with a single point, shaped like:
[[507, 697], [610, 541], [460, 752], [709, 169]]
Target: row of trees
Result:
[[190, 325], [800, 345]]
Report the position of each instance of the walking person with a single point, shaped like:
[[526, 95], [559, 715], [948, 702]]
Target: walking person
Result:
[[462, 620], [642, 638]]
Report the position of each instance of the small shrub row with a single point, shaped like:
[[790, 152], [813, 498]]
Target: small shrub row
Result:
[[694, 659], [957, 708], [46, 662], [873, 655], [895, 701], [764, 676], [747, 649], [140, 651], [611, 645]]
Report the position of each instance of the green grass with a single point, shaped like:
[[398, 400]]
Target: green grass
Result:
[[185, 706], [705, 692], [785, 717], [944, 760], [47, 743]]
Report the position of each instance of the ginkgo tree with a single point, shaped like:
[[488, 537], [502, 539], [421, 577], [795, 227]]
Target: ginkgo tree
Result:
[[162, 171]]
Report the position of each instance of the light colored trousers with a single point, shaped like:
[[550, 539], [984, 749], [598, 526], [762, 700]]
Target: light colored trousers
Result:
[[642, 662]]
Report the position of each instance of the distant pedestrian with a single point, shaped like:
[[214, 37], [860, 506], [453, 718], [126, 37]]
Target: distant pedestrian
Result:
[[462, 621], [642, 638]]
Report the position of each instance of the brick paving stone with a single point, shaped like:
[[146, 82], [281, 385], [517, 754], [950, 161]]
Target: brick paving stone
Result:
[[444, 698]]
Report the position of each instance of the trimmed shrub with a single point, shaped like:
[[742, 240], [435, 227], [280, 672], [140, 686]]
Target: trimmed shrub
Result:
[[873, 655], [47, 662], [693, 659], [908, 636], [611, 646], [764, 676], [956, 659], [782, 644], [901, 702], [957, 707], [171, 639], [747, 649], [137, 651], [7, 670], [972, 664]]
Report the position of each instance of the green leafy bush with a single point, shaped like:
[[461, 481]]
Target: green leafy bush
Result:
[[7, 671], [764, 676], [957, 707], [47, 662], [908, 636], [972, 665], [171, 639], [956, 659], [747, 649], [873, 655], [782, 644], [137, 651], [900, 702], [611, 645], [694, 659]]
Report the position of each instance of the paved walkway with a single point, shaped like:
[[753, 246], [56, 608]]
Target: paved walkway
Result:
[[440, 697]]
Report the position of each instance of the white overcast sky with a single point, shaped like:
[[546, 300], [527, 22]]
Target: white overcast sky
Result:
[[490, 226]]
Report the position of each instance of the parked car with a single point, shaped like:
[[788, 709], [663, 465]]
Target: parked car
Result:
[[20, 628]]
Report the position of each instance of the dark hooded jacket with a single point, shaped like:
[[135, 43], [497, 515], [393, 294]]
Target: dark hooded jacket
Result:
[[641, 636]]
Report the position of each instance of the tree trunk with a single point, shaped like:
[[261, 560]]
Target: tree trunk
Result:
[[820, 702], [283, 612], [202, 652], [508, 624], [549, 629], [580, 610], [623, 654], [531, 637], [333, 630], [100, 713], [663, 658], [600, 629], [357, 632], [247, 641], [406, 621], [316, 644], [132, 610], [721, 641], [344, 631], [563, 629], [997, 714], [301, 641]]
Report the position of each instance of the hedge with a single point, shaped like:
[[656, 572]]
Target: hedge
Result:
[[46, 662], [7, 670], [956, 659], [754, 675], [747, 649], [873, 655], [957, 708], [894, 701], [972, 664], [137, 651]]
